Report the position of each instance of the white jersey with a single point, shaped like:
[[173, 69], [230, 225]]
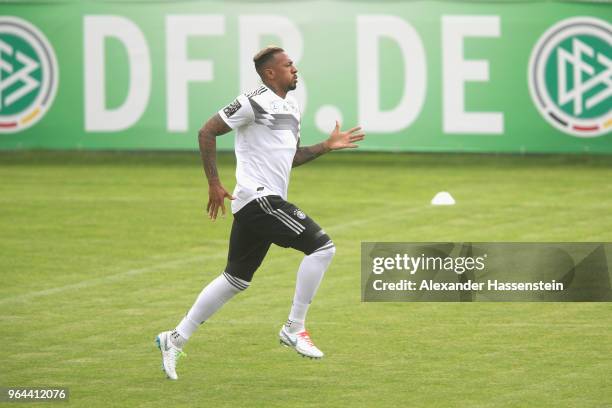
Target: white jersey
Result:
[[267, 131]]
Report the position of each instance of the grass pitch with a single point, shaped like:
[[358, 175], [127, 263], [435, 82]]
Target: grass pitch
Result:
[[99, 252]]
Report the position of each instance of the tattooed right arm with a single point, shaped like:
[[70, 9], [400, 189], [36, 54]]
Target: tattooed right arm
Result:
[[207, 138]]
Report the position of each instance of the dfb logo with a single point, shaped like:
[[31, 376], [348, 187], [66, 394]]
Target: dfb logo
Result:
[[28, 74], [570, 76]]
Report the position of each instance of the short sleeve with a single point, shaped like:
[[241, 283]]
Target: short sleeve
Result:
[[237, 113]]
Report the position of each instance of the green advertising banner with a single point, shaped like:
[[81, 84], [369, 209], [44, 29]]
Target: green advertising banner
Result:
[[418, 76]]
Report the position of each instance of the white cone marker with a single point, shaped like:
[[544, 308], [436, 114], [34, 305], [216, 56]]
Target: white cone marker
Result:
[[443, 198]]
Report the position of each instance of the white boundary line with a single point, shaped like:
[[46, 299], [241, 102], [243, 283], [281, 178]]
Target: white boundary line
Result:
[[177, 262], [109, 278]]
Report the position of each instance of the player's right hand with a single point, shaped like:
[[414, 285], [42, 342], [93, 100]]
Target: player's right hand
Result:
[[216, 199]]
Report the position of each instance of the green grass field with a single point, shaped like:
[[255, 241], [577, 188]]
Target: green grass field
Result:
[[100, 252]]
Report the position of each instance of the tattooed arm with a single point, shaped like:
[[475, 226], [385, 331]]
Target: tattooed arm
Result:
[[207, 138], [337, 140], [308, 153]]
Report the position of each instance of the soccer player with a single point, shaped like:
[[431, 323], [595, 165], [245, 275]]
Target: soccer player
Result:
[[267, 146]]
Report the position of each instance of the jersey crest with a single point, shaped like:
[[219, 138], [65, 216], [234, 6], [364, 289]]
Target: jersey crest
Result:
[[275, 121]]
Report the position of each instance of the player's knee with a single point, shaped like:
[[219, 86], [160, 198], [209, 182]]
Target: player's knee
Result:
[[235, 282], [332, 250], [327, 250]]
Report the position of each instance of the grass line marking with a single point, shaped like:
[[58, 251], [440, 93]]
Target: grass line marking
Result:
[[88, 283]]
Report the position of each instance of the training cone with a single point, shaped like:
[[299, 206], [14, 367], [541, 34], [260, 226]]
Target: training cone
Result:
[[443, 198]]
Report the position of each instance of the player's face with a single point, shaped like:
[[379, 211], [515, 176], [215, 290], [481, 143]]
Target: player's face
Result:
[[285, 71]]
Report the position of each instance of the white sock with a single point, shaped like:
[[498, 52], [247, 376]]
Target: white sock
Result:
[[212, 297], [176, 339], [309, 278]]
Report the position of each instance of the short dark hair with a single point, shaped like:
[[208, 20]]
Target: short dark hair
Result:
[[264, 56]]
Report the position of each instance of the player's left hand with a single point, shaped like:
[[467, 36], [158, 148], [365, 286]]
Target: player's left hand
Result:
[[339, 139]]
